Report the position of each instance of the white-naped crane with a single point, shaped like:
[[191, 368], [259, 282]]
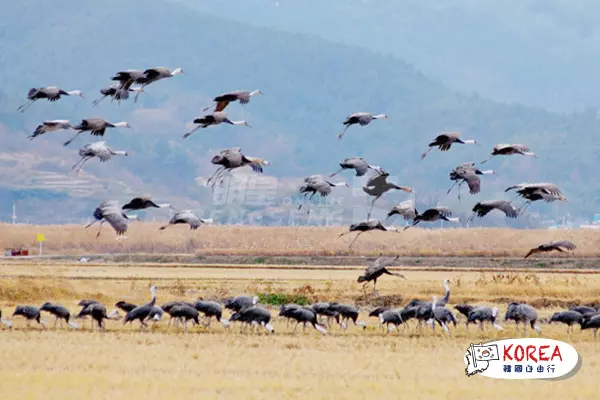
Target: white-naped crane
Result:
[[445, 140], [141, 313], [232, 158], [116, 92], [215, 118], [318, 184], [360, 118], [110, 211], [483, 314], [96, 150], [482, 208], [142, 203], [50, 93], [378, 185], [60, 313], [223, 100], [409, 212], [568, 318], [467, 172], [30, 313], [186, 217], [50, 126], [510, 149], [376, 270], [548, 192], [366, 226], [558, 245], [521, 312], [95, 126], [358, 164], [155, 74]]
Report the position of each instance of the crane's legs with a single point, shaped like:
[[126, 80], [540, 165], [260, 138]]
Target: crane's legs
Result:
[[427, 152], [371, 208], [341, 134], [484, 161], [97, 101], [25, 106], [73, 138], [187, 134], [354, 240], [84, 160]]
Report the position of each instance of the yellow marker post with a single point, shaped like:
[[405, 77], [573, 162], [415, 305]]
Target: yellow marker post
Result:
[[41, 238]]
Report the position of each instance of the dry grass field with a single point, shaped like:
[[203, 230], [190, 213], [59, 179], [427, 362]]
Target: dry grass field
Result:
[[224, 363], [144, 237]]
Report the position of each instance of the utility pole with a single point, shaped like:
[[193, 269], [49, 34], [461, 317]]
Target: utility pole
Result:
[[14, 214]]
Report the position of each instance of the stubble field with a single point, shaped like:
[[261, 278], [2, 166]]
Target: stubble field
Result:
[[224, 363]]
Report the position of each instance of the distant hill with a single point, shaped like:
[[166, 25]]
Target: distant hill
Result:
[[310, 86]]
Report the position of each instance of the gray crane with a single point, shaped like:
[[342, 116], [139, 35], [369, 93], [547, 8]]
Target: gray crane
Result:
[[318, 184], [30, 313], [168, 306], [366, 226], [110, 211], [360, 118], [358, 164], [521, 312], [405, 209], [285, 311], [232, 158], [322, 309], [429, 215], [482, 208], [142, 203], [117, 92], [510, 149], [50, 93], [395, 318], [443, 317], [558, 245], [465, 309], [60, 313], [347, 312], [424, 308], [445, 141], [97, 312], [95, 126], [467, 172], [211, 309], [50, 126], [305, 316], [237, 303], [186, 217], [568, 318], [591, 323], [155, 74], [377, 269], [125, 306], [99, 150], [482, 314], [215, 118], [4, 322], [378, 185], [142, 312], [254, 315], [548, 192], [583, 309], [185, 312], [223, 100]]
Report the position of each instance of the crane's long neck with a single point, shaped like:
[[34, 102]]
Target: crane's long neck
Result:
[[241, 122], [121, 124], [447, 295], [379, 116], [118, 153], [488, 172], [254, 92]]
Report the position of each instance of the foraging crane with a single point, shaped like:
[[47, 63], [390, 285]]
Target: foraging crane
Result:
[[30, 313], [318, 184], [254, 315], [443, 317], [482, 314], [142, 312], [222, 101], [445, 140], [360, 118], [467, 172], [520, 312], [50, 126], [366, 226], [211, 309], [4, 322], [186, 217], [141, 203], [430, 215], [568, 318], [395, 317], [98, 313], [305, 316], [482, 208], [583, 309], [99, 150], [378, 185], [237, 303], [215, 118], [125, 306], [558, 245], [232, 158], [548, 192], [60, 313], [510, 149], [116, 92], [591, 323], [347, 312], [322, 309], [358, 164], [464, 309], [377, 269], [285, 311], [50, 93], [111, 212], [96, 126], [185, 312]]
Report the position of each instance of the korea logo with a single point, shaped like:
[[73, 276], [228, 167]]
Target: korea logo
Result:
[[527, 358]]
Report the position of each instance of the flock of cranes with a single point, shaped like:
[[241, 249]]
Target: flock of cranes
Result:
[[321, 315], [376, 186]]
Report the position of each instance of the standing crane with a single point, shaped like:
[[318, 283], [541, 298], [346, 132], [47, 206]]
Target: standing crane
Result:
[[60, 313], [96, 126], [50, 93], [360, 118], [378, 185], [215, 118], [510, 149], [222, 101], [445, 141], [376, 270], [520, 312]]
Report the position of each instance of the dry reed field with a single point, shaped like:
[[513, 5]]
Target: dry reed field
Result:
[[144, 237], [224, 363]]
